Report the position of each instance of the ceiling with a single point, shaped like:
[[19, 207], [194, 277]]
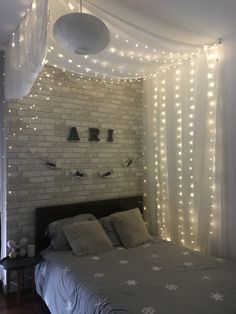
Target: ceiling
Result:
[[144, 34], [209, 19]]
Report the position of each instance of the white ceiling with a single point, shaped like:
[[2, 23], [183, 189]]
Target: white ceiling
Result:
[[209, 19], [11, 13]]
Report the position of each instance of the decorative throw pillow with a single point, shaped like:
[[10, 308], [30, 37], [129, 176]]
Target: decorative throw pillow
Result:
[[130, 227], [110, 230], [87, 237], [55, 230]]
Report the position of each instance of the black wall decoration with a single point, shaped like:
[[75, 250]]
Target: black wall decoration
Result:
[[128, 162], [73, 136], [51, 164], [79, 174], [93, 134], [110, 135]]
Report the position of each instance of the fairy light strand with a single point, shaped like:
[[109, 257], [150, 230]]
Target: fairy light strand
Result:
[[212, 58], [191, 188], [155, 122], [144, 140], [179, 152], [163, 161]]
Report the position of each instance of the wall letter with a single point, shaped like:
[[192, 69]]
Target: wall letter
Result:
[[110, 135], [73, 136], [93, 134]]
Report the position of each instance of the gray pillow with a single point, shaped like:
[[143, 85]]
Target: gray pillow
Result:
[[110, 230], [87, 237], [55, 230], [130, 227]]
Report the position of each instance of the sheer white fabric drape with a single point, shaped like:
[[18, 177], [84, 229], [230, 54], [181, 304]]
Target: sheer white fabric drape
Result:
[[3, 185], [26, 51], [182, 155]]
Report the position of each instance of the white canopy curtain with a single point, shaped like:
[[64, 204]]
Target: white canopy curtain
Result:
[[139, 45], [26, 51], [182, 155]]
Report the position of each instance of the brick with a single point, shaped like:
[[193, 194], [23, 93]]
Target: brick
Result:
[[82, 103]]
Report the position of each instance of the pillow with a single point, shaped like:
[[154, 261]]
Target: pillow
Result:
[[130, 227], [110, 230], [55, 230], [87, 237]]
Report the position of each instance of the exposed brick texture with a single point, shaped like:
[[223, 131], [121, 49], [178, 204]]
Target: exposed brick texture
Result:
[[57, 102]]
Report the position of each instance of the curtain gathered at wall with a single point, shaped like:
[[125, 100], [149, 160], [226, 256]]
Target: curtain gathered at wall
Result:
[[26, 51], [183, 155]]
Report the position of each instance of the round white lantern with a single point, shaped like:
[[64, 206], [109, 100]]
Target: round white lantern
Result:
[[82, 33]]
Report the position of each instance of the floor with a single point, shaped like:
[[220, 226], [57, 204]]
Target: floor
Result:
[[31, 305]]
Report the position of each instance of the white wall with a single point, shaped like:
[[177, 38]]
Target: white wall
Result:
[[229, 141]]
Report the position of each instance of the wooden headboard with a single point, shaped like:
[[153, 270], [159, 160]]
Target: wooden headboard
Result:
[[101, 208]]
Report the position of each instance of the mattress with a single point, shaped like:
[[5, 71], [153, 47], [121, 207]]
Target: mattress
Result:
[[157, 277]]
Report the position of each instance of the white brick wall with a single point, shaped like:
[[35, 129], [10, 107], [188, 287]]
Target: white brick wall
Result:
[[73, 102]]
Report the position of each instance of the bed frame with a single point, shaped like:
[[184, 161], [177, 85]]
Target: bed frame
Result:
[[101, 208]]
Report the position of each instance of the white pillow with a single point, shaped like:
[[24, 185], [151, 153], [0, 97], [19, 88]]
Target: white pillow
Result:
[[130, 227], [87, 237]]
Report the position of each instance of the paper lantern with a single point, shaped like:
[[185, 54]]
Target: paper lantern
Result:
[[83, 33]]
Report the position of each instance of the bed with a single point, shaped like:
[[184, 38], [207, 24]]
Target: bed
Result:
[[154, 277]]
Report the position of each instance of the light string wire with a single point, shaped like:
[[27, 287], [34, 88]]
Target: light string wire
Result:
[[3, 179], [191, 229], [156, 141], [145, 161], [212, 60], [163, 165], [179, 153]]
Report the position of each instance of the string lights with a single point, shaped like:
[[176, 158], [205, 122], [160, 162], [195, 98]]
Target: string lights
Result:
[[134, 61], [164, 204], [191, 191], [179, 161], [126, 57], [128, 60], [3, 181], [156, 122], [27, 109], [153, 64], [182, 95], [212, 58], [145, 208]]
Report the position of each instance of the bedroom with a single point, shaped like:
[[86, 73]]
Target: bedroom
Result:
[[127, 121]]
